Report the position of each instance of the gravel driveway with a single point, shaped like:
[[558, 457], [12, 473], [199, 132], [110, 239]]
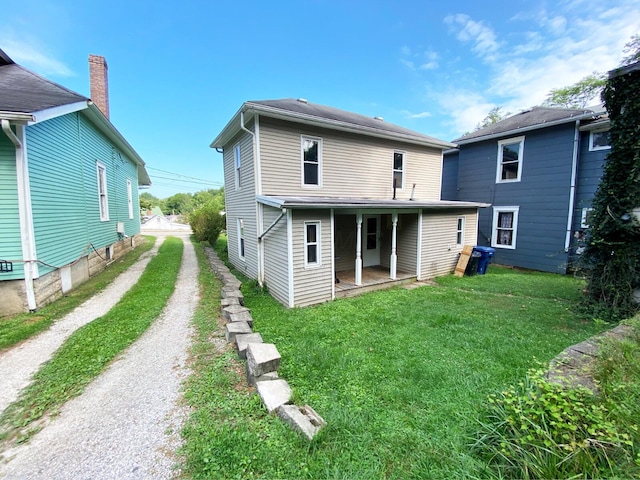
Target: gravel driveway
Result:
[[127, 422]]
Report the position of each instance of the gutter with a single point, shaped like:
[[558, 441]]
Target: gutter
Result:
[[572, 189]]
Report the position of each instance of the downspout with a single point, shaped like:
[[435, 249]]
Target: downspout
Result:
[[273, 224], [572, 190], [26, 226]]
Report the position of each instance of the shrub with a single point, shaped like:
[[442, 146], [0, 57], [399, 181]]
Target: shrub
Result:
[[207, 222], [539, 429]]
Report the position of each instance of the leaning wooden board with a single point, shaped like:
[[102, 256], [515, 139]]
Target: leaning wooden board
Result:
[[463, 260]]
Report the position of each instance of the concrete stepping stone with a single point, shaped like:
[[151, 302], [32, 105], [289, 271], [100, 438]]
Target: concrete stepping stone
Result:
[[262, 358], [236, 328], [242, 317], [245, 339], [302, 419], [274, 393], [232, 309], [230, 292], [252, 381], [225, 302]]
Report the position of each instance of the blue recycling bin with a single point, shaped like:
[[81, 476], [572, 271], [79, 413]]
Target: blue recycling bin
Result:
[[486, 253]]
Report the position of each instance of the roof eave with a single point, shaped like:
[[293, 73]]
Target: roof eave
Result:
[[278, 202], [98, 118], [58, 111], [529, 128]]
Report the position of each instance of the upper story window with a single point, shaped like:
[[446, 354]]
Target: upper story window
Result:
[[599, 140], [237, 162], [460, 231], [505, 227], [311, 161], [103, 201], [312, 244], [510, 160], [398, 170], [130, 198]]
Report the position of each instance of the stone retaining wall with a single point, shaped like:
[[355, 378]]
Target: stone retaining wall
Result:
[[262, 359]]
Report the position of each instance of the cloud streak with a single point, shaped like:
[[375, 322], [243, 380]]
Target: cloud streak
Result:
[[33, 57]]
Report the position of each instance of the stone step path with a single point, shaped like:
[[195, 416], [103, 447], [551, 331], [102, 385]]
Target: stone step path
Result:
[[19, 363], [262, 359]]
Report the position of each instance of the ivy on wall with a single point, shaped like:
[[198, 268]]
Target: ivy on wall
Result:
[[612, 253]]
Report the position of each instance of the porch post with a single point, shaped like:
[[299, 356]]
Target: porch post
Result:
[[359, 249], [394, 257]]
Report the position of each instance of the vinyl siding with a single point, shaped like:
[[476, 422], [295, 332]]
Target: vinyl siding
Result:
[[345, 241], [407, 242], [241, 203], [62, 154], [440, 253], [10, 244], [276, 256], [311, 284], [542, 195], [450, 176], [352, 165]]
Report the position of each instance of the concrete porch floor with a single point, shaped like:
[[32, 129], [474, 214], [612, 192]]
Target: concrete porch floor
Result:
[[373, 278]]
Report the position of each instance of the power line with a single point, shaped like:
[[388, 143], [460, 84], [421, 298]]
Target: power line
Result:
[[181, 175]]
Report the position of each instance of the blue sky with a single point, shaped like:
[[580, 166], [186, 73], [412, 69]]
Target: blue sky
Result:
[[178, 71]]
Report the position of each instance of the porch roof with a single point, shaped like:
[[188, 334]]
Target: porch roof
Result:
[[332, 202]]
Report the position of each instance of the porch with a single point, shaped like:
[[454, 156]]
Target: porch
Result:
[[373, 278]]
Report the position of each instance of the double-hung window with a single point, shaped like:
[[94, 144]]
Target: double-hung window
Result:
[[398, 170], [130, 198], [241, 238], [312, 244], [510, 154], [460, 231], [311, 161], [599, 140], [103, 201], [505, 227], [237, 163]]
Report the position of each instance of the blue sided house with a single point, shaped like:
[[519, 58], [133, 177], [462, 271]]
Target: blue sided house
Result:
[[68, 186], [539, 170]]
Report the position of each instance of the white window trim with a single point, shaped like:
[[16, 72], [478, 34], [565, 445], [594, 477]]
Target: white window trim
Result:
[[318, 244], [104, 214], [520, 159], [494, 229], [237, 164], [595, 149], [583, 219], [241, 254], [130, 198], [403, 171], [319, 140], [460, 230]]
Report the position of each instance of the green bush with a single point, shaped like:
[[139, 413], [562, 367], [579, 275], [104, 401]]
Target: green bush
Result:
[[207, 222], [539, 429]]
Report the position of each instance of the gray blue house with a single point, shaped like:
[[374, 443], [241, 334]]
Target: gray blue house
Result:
[[539, 170], [68, 186]]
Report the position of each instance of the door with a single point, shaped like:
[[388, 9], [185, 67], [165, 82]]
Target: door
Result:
[[371, 240]]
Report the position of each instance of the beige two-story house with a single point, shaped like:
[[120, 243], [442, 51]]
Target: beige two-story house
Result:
[[322, 203]]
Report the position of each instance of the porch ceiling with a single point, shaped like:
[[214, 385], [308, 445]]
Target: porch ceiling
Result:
[[331, 202]]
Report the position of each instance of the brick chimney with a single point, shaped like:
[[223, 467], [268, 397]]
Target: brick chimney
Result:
[[99, 83]]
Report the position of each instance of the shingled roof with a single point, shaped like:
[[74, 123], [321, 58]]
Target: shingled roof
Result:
[[300, 110], [22, 91], [535, 117]]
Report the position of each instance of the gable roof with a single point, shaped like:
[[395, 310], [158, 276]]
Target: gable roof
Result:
[[534, 118], [307, 113], [28, 97]]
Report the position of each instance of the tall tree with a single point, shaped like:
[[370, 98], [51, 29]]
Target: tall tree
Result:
[[494, 116], [578, 95], [632, 49]]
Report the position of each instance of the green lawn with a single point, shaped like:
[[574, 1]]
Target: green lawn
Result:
[[401, 377]]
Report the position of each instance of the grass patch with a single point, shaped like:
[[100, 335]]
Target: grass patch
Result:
[[89, 350], [17, 328], [400, 376]]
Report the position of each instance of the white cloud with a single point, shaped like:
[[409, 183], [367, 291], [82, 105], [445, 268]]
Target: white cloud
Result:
[[408, 114], [565, 45], [427, 60], [468, 30], [33, 57]]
